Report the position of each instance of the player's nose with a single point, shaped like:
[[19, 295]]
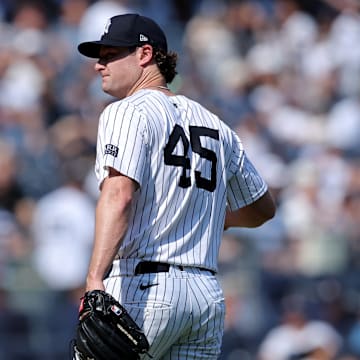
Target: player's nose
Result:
[[98, 66]]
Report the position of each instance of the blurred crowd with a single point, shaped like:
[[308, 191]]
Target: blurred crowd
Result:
[[284, 74]]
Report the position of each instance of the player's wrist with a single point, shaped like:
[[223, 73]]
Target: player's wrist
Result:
[[94, 284]]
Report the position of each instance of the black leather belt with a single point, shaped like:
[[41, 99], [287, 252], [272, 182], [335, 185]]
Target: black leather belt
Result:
[[148, 267]]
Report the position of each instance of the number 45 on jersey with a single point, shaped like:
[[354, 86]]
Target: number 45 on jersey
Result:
[[178, 134]]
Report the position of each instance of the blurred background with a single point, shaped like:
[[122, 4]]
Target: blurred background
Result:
[[284, 74]]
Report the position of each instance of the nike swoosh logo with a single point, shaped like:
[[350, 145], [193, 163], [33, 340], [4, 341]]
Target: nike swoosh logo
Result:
[[146, 286]]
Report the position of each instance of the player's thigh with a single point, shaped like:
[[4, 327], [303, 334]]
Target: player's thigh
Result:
[[207, 347]]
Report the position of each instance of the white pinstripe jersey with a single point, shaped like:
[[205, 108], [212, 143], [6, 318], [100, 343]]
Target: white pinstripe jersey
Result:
[[190, 165]]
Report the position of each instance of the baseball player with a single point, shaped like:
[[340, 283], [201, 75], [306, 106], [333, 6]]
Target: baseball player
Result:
[[172, 177]]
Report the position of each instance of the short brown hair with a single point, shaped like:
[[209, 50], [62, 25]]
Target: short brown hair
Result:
[[167, 64]]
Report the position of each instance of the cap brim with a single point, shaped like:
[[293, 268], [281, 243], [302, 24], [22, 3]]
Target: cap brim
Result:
[[92, 48]]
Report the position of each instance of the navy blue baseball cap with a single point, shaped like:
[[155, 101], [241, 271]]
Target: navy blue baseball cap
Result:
[[126, 30]]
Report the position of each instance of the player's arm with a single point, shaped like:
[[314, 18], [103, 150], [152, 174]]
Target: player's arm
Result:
[[252, 215], [112, 217]]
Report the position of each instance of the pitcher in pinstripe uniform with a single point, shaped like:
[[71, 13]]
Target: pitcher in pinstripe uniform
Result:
[[172, 177]]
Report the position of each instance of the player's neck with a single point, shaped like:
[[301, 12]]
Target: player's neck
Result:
[[152, 80]]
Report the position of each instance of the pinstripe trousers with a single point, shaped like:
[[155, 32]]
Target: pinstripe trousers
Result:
[[181, 311]]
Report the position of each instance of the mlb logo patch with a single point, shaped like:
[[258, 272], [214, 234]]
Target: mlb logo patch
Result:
[[111, 150], [116, 310]]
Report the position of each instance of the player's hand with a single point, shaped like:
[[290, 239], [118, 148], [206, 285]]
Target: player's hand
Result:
[[106, 331]]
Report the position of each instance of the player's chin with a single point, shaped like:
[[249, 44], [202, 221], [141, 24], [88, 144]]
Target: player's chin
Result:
[[113, 93], [107, 89]]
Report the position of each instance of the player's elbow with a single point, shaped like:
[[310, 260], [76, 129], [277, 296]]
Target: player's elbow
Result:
[[253, 215], [264, 216], [264, 211]]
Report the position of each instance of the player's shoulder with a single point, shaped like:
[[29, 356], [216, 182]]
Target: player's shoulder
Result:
[[144, 97], [118, 105], [140, 101], [121, 108]]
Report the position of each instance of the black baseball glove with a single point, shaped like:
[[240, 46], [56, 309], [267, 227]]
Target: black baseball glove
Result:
[[106, 331]]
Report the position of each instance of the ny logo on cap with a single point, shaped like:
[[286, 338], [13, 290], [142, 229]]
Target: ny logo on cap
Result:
[[143, 38], [106, 30]]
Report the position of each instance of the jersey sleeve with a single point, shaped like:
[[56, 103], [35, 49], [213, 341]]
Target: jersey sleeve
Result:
[[245, 184], [121, 142]]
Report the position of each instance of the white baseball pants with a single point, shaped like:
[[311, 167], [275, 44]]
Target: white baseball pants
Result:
[[181, 311]]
